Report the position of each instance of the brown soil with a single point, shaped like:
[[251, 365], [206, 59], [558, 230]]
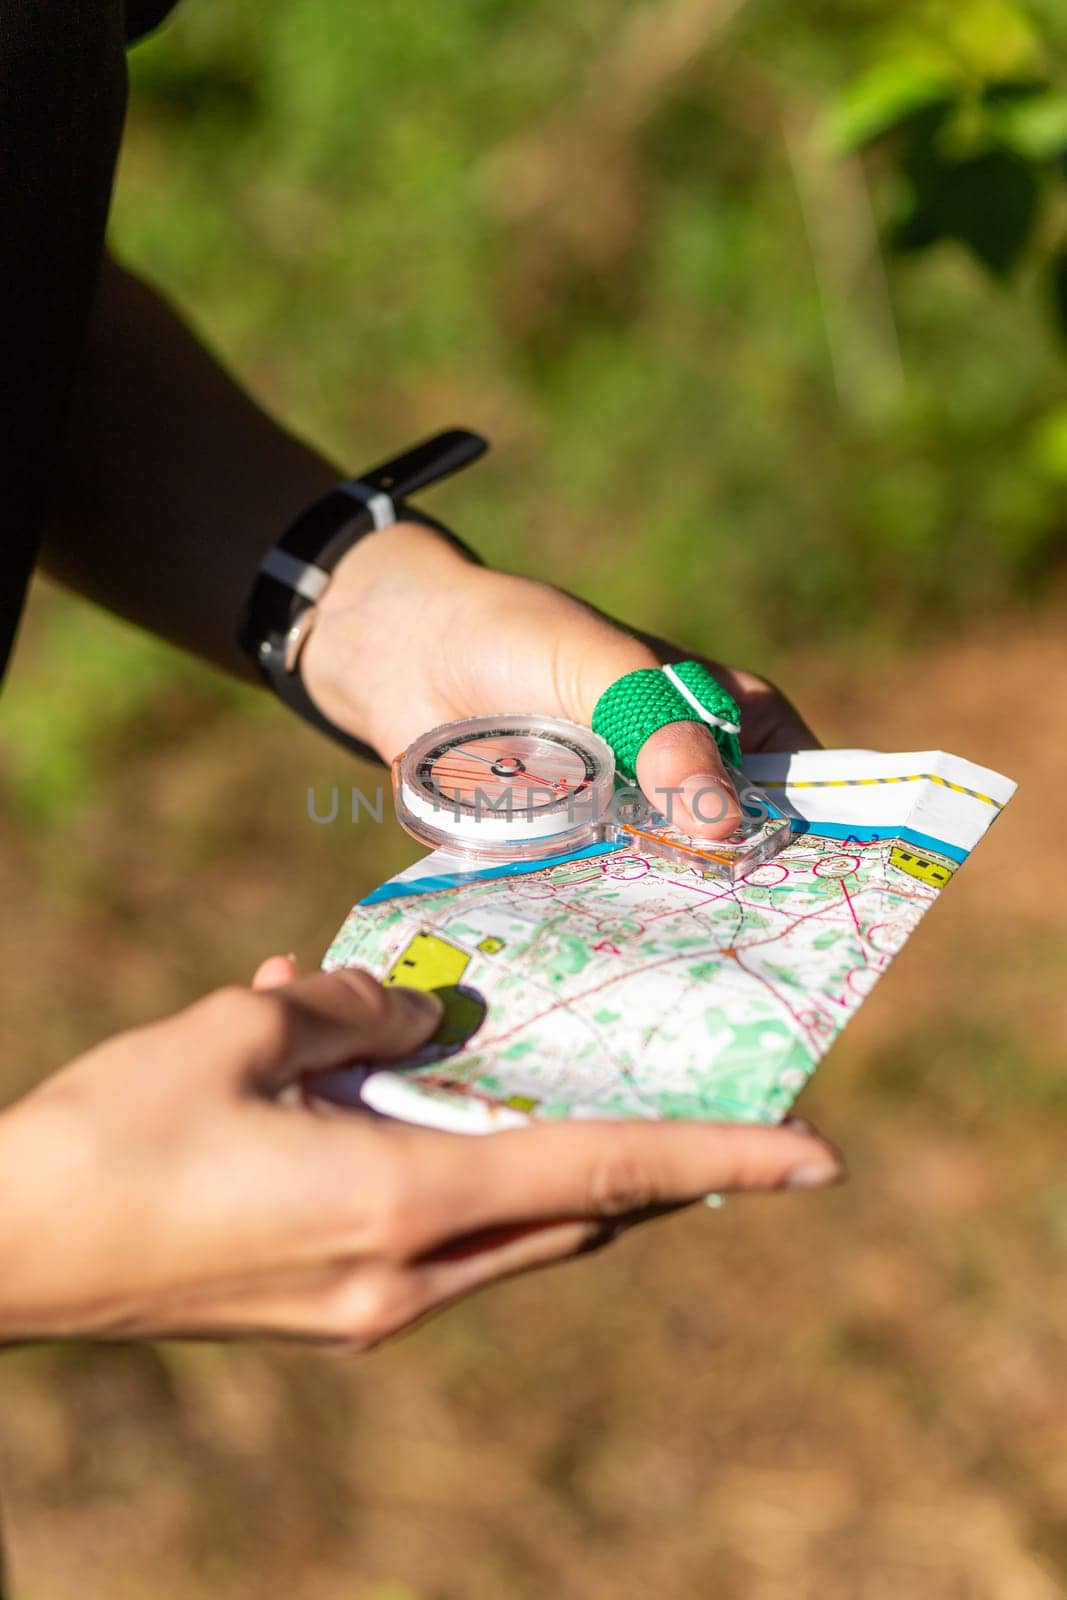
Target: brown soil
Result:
[[855, 1396]]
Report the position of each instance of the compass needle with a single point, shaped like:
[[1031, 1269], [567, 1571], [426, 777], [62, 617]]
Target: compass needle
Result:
[[505, 787]]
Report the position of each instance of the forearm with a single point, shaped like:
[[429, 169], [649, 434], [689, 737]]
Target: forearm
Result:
[[174, 482]]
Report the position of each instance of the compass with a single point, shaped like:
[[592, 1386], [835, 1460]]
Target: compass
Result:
[[505, 787]]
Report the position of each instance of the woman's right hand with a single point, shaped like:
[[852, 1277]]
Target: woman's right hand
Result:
[[165, 1184]]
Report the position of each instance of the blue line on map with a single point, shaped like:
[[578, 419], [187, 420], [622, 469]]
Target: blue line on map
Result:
[[404, 888], [397, 889]]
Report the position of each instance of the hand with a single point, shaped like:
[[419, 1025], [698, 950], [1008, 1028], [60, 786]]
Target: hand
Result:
[[172, 1183], [411, 634]]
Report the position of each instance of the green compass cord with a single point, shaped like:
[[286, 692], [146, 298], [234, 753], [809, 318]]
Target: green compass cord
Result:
[[633, 707]]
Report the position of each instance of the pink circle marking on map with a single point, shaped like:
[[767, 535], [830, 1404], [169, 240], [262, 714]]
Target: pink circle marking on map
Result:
[[768, 875], [861, 980], [836, 866], [814, 1020], [626, 867], [620, 927], [531, 889]]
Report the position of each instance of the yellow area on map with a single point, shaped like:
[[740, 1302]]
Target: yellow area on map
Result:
[[428, 962], [928, 868]]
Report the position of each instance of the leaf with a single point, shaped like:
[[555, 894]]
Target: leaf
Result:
[[987, 202], [1029, 119], [1050, 445], [992, 38], [886, 96]]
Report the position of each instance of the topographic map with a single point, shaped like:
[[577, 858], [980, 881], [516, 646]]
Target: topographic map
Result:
[[610, 984]]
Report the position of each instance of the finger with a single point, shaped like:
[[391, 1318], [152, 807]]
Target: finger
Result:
[[612, 1169], [768, 720], [679, 767], [275, 971], [681, 772], [445, 1278], [330, 1019], [360, 1308]]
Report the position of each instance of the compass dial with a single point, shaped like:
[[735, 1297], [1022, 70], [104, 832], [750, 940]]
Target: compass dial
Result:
[[507, 785], [531, 771]]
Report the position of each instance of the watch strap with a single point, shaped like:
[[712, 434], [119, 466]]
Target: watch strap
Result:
[[295, 572]]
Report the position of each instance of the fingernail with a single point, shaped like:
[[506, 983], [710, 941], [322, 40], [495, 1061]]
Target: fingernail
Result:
[[798, 1125], [421, 1001], [815, 1174], [709, 798]]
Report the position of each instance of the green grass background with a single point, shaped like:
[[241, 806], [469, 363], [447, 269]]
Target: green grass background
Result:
[[617, 238], [614, 236]]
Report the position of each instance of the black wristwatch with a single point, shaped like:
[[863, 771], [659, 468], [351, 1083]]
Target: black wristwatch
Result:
[[294, 573]]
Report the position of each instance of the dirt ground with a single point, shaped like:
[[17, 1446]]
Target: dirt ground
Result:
[[857, 1395]]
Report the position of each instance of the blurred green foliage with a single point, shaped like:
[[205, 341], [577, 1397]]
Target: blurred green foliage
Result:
[[667, 254], [96, 694], [980, 122], [614, 236]]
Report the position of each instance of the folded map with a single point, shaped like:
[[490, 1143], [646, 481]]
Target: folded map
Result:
[[610, 984]]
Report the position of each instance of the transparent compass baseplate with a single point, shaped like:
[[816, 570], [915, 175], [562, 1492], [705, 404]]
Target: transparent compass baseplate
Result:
[[760, 834], [512, 820]]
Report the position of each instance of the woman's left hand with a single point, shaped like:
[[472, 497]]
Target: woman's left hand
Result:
[[411, 634]]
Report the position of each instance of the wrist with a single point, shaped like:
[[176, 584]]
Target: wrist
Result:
[[283, 603], [31, 1298], [389, 593]]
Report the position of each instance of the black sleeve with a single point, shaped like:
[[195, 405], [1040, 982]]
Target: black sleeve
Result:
[[62, 103]]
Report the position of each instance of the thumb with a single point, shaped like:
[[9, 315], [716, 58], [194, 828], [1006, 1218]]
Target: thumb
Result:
[[275, 971], [679, 767], [681, 772], [331, 1019]]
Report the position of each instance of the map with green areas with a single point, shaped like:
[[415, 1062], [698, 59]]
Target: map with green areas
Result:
[[619, 985]]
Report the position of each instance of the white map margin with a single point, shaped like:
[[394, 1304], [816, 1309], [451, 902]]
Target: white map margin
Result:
[[866, 787]]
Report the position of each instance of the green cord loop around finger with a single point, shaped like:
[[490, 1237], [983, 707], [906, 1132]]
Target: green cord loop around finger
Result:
[[633, 707]]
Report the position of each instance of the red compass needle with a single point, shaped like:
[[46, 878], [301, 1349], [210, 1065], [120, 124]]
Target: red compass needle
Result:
[[467, 786], [520, 770]]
